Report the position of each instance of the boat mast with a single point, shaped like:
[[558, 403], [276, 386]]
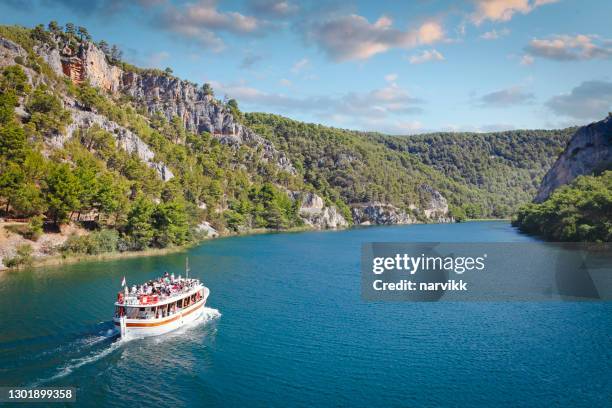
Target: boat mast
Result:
[[187, 267]]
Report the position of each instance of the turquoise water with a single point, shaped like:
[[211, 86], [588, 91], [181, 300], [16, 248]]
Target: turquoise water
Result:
[[286, 326]]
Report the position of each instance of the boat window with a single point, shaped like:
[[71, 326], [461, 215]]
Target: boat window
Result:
[[119, 311], [132, 313]]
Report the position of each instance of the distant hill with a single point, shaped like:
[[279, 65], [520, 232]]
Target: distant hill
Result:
[[506, 168], [481, 174]]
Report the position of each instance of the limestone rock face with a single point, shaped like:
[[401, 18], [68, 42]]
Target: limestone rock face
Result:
[[380, 214], [316, 214], [82, 119], [588, 151], [162, 94], [124, 138], [208, 229], [10, 50], [436, 207]]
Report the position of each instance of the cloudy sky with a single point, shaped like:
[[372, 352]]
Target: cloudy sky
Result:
[[397, 67]]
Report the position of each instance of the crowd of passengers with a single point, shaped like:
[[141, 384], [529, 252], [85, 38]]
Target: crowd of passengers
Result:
[[163, 287]]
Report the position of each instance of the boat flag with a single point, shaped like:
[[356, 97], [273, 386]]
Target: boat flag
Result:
[[123, 282]]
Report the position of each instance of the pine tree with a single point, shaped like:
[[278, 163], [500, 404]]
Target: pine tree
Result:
[[61, 193]]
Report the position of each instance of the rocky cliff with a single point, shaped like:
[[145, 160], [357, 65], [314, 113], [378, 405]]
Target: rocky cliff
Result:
[[380, 213], [159, 94], [434, 208], [589, 151], [82, 119], [317, 214]]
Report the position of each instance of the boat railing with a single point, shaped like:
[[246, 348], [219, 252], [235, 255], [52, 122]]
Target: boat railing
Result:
[[132, 299]]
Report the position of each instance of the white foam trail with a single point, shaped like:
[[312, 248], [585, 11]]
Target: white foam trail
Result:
[[208, 315], [79, 362]]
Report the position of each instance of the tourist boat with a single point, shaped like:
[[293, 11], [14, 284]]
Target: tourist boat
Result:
[[159, 306]]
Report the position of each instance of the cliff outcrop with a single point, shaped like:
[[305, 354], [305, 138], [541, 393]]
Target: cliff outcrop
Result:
[[589, 151], [317, 214], [159, 93]]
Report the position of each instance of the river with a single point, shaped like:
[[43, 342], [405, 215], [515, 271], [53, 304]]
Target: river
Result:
[[286, 326]]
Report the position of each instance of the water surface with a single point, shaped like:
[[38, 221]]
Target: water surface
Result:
[[286, 326]]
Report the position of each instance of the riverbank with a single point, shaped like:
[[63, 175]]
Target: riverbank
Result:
[[42, 260]]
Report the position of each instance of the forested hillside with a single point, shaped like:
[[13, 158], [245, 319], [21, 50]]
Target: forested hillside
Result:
[[95, 177], [580, 211], [481, 174], [352, 168], [141, 158], [505, 167]]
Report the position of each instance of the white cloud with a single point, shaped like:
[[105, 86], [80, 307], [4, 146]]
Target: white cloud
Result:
[[285, 82], [391, 77], [506, 97], [274, 8], [527, 59], [200, 21], [570, 48], [426, 56], [250, 60], [495, 34], [590, 100], [353, 37], [300, 65], [387, 102], [504, 10]]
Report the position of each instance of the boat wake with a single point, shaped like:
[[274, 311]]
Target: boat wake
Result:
[[96, 348]]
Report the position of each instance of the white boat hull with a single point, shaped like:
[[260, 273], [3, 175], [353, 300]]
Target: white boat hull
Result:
[[137, 328]]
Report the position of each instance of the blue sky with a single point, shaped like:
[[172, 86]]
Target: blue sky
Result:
[[397, 67]]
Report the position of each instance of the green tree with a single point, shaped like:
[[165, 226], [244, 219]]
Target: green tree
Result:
[[12, 180], [115, 54], [83, 34], [139, 226], [47, 114], [86, 173], [8, 101], [62, 191], [54, 27], [581, 211], [70, 28], [111, 196], [170, 223], [28, 200], [13, 146], [89, 97], [232, 104], [208, 89], [40, 34], [14, 79], [104, 47]]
